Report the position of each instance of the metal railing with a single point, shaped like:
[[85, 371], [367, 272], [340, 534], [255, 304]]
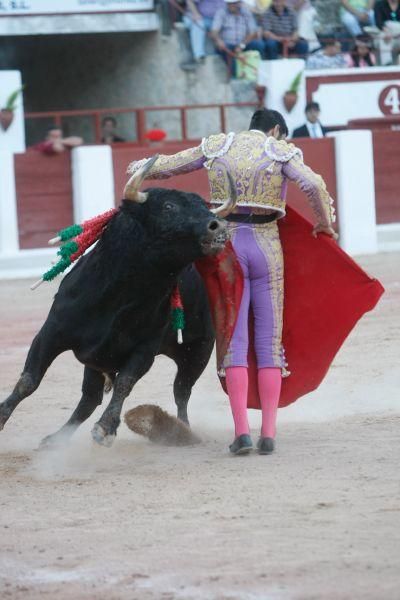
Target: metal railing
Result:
[[139, 116]]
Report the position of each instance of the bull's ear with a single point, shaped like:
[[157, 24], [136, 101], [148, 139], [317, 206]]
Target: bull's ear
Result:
[[131, 190]]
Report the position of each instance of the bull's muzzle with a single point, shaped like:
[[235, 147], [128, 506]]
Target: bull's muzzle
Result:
[[215, 238]]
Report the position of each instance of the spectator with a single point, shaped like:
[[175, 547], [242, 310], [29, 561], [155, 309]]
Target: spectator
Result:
[[109, 125], [312, 127], [328, 16], [356, 14], [234, 29], [361, 54], [279, 26], [55, 143], [306, 17], [329, 57], [387, 17], [198, 19]]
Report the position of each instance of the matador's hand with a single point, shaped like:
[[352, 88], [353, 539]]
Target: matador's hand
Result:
[[318, 228]]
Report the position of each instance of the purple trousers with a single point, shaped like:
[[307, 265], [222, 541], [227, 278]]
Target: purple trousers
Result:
[[259, 252]]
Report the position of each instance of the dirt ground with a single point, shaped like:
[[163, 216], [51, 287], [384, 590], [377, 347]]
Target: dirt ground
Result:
[[319, 519]]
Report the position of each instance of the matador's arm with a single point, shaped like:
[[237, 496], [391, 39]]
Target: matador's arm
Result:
[[313, 186], [188, 160], [175, 164]]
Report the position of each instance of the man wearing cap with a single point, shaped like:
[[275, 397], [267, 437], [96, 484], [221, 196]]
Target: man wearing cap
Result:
[[234, 30]]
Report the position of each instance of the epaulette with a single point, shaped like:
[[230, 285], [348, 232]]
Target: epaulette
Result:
[[280, 150], [214, 146]]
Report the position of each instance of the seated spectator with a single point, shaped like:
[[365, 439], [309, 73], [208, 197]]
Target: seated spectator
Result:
[[329, 57], [55, 143], [198, 19], [109, 125], [328, 16], [361, 54], [356, 14], [387, 18], [279, 27], [306, 18], [312, 127], [234, 30]]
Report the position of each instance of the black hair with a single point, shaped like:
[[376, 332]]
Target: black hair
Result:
[[329, 39], [365, 39], [312, 106], [265, 120], [109, 118]]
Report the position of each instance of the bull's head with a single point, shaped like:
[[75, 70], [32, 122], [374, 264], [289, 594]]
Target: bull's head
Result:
[[131, 190]]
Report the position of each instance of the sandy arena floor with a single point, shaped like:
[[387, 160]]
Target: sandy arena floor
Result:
[[320, 519]]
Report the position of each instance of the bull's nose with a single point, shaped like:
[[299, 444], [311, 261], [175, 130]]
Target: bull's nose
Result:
[[214, 225]]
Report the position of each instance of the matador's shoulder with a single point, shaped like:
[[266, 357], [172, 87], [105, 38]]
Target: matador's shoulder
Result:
[[280, 150], [214, 146]]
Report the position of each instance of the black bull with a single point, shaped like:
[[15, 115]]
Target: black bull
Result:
[[113, 309]]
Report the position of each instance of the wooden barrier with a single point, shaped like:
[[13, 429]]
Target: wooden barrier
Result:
[[386, 164], [44, 196]]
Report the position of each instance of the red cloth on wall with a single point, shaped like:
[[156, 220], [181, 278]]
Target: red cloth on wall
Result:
[[326, 293]]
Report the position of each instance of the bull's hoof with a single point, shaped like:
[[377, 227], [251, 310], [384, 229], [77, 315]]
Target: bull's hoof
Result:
[[100, 436], [52, 442]]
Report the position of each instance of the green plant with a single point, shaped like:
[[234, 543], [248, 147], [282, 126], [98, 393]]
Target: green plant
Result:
[[294, 86], [12, 98]]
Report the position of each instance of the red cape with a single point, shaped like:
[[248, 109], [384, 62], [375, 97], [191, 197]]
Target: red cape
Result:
[[326, 293]]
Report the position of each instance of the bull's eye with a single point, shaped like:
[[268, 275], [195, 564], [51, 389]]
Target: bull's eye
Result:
[[169, 206]]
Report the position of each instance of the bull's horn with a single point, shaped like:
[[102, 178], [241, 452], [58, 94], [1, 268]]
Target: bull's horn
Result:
[[131, 190], [229, 204]]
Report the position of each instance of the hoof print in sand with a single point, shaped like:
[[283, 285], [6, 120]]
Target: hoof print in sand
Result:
[[160, 427]]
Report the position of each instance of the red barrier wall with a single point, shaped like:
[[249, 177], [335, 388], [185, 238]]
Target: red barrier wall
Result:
[[387, 161], [318, 154], [44, 196]]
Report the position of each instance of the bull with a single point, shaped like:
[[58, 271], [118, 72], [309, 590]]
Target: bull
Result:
[[113, 308]]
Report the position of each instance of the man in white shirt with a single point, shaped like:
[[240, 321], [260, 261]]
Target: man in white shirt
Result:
[[312, 127]]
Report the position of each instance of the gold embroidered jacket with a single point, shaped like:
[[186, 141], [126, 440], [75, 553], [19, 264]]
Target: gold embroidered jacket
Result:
[[260, 167]]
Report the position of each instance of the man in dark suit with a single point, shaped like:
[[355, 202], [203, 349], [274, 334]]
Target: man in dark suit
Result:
[[312, 127]]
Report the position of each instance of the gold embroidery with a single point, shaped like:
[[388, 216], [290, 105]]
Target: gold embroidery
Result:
[[168, 165], [247, 162], [216, 145]]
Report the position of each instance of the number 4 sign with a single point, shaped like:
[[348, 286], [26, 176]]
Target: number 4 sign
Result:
[[389, 100]]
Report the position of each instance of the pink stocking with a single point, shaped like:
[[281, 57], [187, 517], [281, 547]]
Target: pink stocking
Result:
[[237, 382], [269, 388]]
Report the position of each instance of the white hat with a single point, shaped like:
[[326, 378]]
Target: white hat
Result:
[[232, 1]]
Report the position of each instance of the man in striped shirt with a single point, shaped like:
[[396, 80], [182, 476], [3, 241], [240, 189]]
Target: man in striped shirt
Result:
[[279, 26]]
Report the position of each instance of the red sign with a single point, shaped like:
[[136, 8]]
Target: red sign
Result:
[[389, 100]]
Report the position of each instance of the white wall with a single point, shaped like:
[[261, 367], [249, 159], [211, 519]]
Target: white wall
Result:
[[277, 76], [12, 140], [356, 191]]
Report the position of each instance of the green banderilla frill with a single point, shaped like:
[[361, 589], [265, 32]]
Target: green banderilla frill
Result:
[[178, 319], [67, 249], [62, 264], [69, 232]]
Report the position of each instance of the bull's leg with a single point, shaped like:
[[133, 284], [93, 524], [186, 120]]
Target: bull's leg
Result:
[[191, 362], [105, 430], [92, 396], [42, 352]]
